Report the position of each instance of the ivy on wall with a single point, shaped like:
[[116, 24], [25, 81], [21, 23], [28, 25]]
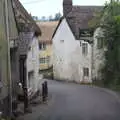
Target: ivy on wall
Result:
[[109, 21]]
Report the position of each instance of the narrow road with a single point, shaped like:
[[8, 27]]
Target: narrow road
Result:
[[79, 102]]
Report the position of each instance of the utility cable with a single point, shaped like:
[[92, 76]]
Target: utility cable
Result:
[[32, 2]]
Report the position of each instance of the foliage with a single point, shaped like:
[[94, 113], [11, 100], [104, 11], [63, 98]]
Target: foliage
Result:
[[35, 18], [50, 18], [95, 22], [110, 22], [57, 16]]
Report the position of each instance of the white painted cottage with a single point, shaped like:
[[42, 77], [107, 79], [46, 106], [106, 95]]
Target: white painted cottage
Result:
[[73, 44], [32, 62]]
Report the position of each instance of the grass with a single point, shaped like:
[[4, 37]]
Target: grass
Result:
[[112, 87], [115, 87]]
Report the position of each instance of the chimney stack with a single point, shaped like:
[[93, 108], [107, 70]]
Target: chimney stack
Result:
[[67, 7]]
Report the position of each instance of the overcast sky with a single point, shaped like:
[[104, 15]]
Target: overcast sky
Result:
[[50, 7]]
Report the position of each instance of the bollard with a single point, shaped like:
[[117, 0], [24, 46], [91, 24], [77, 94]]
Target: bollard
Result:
[[46, 89], [43, 92], [1, 115]]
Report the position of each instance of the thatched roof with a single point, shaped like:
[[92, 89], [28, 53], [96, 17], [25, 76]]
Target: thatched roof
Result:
[[47, 29]]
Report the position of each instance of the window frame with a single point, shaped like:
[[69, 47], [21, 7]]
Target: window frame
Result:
[[100, 43], [43, 60], [86, 72], [42, 46], [85, 49], [47, 59], [86, 32], [61, 41]]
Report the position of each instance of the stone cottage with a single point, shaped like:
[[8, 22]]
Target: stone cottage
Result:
[[98, 53], [73, 43], [28, 48], [23, 34], [8, 78]]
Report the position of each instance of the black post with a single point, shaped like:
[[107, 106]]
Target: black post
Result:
[[43, 92], [46, 89], [24, 81]]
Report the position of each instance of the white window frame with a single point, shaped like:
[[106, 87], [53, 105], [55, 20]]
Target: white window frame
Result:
[[86, 72], [85, 48]]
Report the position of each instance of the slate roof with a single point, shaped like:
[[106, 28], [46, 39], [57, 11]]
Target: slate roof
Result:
[[47, 29], [27, 27], [80, 16], [24, 42], [20, 11]]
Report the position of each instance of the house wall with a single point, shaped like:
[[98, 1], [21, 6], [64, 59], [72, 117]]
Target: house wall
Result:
[[98, 55], [33, 66], [4, 80], [68, 60], [44, 54], [3, 55], [14, 70]]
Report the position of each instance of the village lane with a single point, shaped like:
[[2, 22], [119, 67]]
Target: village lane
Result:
[[78, 102]]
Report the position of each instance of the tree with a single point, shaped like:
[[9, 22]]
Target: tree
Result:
[[50, 18], [35, 18], [43, 18], [57, 16], [110, 22]]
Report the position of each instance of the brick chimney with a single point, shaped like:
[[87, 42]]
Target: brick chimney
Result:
[[67, 6]]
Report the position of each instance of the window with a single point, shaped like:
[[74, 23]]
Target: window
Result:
[[42, 46], [80, 43], [42, 60], [30, 77], [47, 59], [100, 43], [29, 48], [84, 48], [86, 72], [85, 32], [32, 52], [62, 41]]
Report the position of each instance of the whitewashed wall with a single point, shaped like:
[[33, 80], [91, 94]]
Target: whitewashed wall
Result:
[[68, 61], [33, 65]]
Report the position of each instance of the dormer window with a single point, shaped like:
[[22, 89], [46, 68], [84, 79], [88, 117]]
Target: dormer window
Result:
[[85, 33], [42, 46]]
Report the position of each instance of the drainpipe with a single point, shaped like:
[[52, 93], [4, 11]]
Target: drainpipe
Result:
[[8, 61]]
